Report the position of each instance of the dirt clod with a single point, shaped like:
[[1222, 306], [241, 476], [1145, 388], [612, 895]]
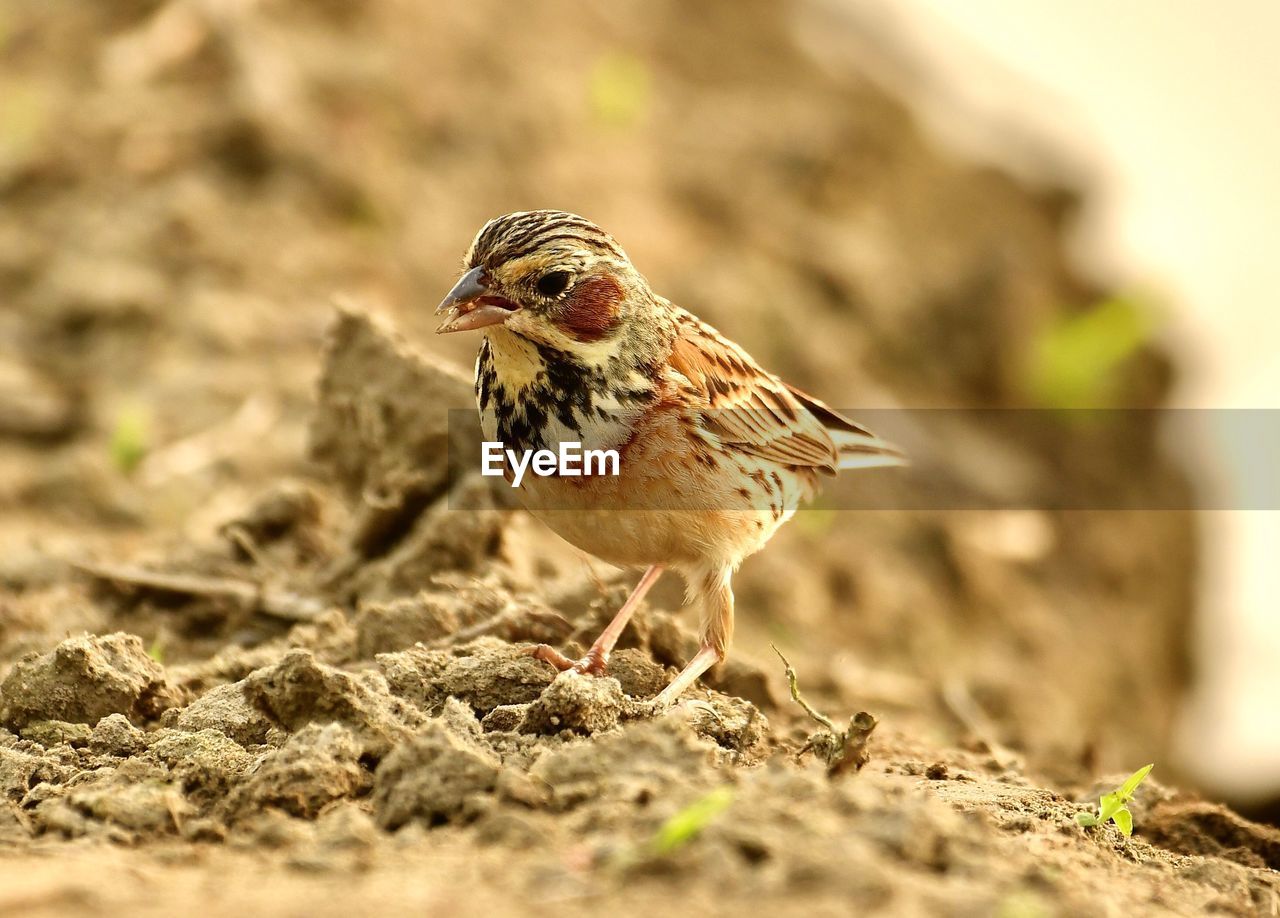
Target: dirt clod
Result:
[[395, 625], [505, 718], [576, 703], [84, 679], [637, 672], [1198, 827], [205, 762], [117, 807], [298, 691], [432, 777], [485, 674], [643, 761], [227, 708], [316, 766], [732, 723], [384, 449], [49, 733], [115, 736]]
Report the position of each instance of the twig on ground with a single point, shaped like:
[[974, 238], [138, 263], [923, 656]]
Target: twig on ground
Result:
[[258, 597], [842, 750]]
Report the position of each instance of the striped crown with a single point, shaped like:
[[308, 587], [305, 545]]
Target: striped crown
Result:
[[517, 235]]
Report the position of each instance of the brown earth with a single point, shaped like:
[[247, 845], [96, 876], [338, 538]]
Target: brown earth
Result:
[[253, 660]]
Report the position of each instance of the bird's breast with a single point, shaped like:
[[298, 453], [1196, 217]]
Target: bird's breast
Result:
[[532, 397]]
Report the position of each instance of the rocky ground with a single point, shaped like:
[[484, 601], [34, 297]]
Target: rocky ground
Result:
[[254, 658]]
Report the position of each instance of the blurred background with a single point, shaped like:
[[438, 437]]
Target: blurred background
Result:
[[922, 204], [1171, 112]]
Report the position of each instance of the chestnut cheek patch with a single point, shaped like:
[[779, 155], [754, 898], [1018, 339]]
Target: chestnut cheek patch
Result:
[[590, 312]]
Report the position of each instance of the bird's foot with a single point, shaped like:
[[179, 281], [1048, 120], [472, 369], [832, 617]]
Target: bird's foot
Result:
[[593, 664], [659, 706], [548, 654]]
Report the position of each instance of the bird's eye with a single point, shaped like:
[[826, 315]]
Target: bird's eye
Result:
[[553, 283]]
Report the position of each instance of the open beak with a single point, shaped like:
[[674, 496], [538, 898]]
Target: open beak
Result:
[[470, 305]]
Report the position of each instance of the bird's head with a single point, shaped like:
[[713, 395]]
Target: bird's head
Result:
[[549, 276]]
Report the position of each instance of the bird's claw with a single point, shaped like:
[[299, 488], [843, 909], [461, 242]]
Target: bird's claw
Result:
[[593, 664], [548, 654], [659, 707]]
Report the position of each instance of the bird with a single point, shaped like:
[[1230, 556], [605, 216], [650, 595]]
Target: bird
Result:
[[715, 452]]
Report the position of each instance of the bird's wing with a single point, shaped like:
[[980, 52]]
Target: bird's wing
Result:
[[752, 410], [746, 407], [857, 447]]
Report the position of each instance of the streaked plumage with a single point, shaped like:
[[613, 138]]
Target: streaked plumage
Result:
[[716, 452]]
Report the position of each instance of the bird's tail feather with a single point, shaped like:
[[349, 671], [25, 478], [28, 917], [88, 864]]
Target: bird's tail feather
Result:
[[864, 450], [857, 447]]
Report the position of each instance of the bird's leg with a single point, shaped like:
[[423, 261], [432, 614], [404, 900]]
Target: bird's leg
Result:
[[598, 656], [706, 657], [716, 597]]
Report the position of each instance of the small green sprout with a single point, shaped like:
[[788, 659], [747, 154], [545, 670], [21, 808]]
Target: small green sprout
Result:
[[130, 438], [688, 823], [1075, 362], [1112, 807]]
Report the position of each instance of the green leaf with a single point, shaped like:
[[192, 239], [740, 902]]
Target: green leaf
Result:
[[1111, 807], [1124, 820], [688, 823], [1075, 363], [1108, 805], [1131, 785]]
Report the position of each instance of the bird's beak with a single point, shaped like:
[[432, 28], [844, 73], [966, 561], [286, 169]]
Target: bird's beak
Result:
[[470, 305]]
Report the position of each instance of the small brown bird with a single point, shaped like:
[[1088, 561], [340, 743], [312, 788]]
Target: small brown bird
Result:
[[715, 452]]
